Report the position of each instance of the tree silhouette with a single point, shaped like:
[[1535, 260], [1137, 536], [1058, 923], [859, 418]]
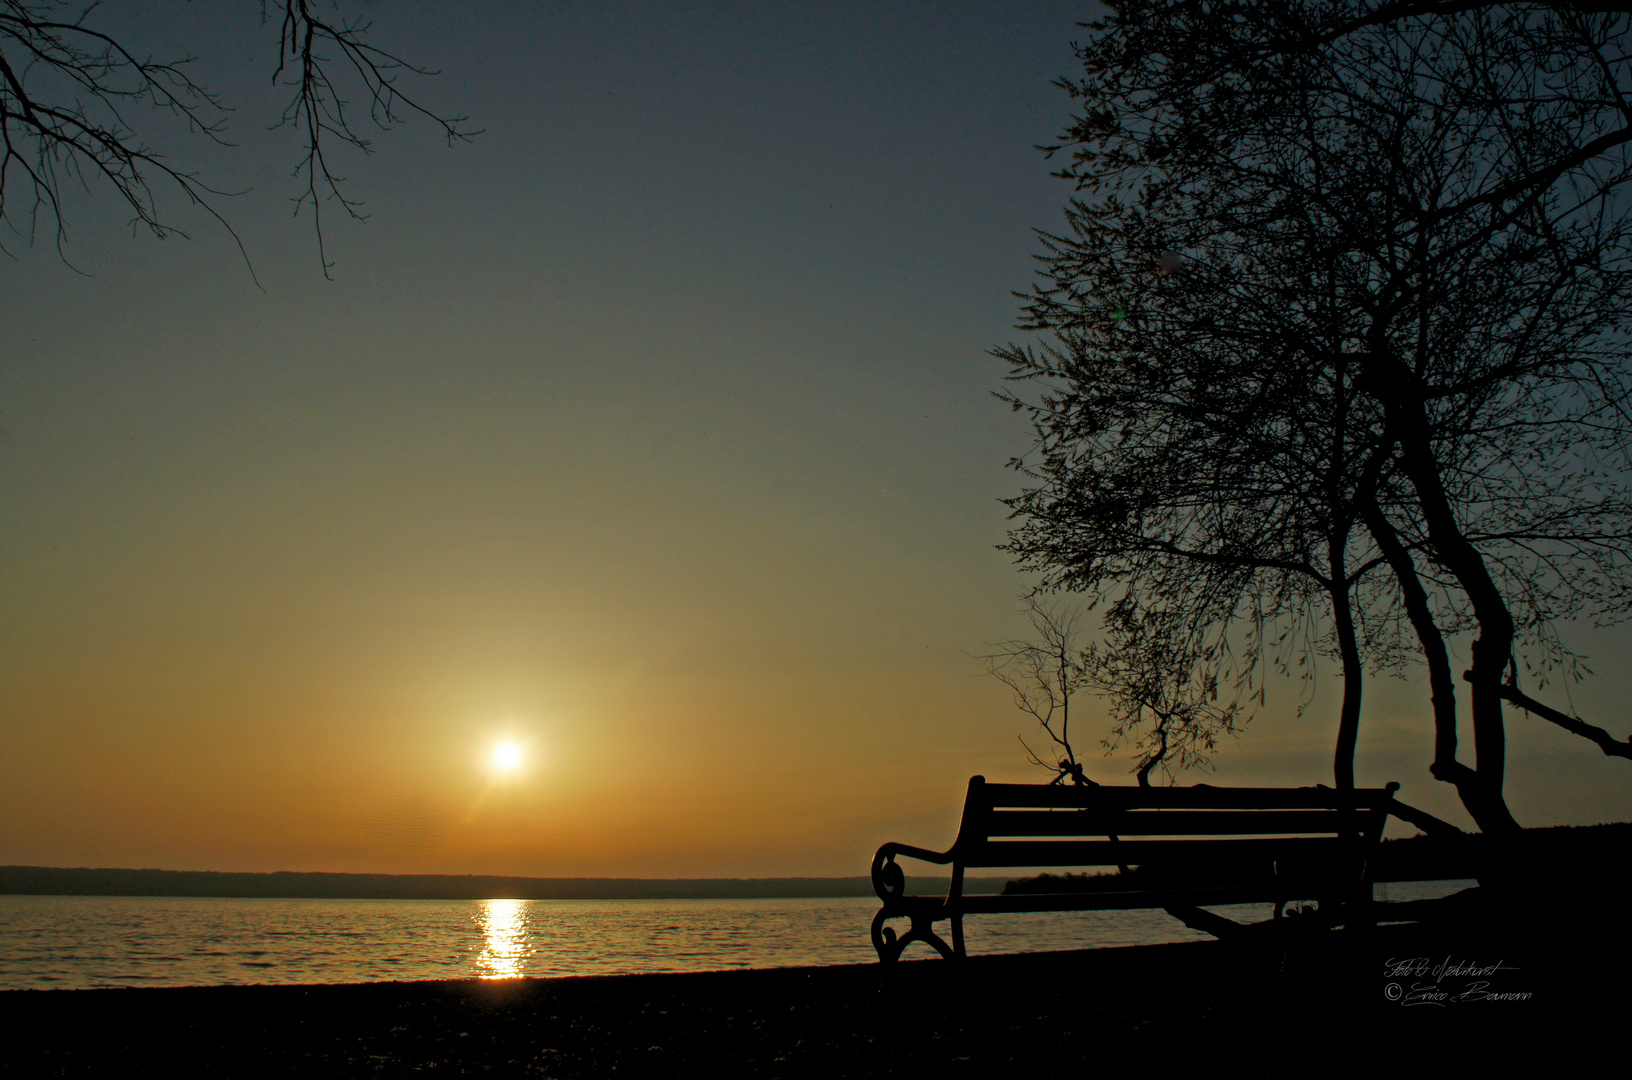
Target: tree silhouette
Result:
[[1193, 468], [68, 90], [1152, 669], [1044, 672], [1405, 281]]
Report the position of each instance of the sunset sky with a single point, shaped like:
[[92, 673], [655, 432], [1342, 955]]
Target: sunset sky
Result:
[[651, 432]]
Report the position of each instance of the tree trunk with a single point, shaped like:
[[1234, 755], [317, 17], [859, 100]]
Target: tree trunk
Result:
[[1348, 722], [1441, 684], [1493, 648], [1340, 528]]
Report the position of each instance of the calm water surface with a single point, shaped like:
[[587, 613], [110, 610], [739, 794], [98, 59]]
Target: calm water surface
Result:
[[87, 941]]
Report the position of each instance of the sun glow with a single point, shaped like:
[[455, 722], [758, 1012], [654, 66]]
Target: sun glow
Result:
[[506, 757]]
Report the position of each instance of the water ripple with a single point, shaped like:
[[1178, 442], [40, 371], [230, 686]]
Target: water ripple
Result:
[[92, 941]]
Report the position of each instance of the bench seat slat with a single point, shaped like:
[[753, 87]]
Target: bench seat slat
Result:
[[1120, 901], [996, 853], [1180, 798], [1172, 822]]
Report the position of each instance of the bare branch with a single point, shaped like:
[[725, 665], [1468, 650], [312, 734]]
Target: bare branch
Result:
[[1043, 673], [318, 111], [67, 89], [1603, 739]]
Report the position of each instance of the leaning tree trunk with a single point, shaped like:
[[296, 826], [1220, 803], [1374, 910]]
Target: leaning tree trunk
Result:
[[1441, 684], [1493, 648]]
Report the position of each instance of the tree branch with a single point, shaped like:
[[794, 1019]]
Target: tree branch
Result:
[[65, 89], [1604, 740]]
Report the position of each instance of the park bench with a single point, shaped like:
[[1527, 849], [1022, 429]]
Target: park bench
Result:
[[1182, 849]]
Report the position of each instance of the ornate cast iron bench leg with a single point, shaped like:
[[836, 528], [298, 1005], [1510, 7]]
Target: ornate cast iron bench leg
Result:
[[923, 917]]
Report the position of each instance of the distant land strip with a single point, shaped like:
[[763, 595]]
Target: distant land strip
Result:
[[82, 881]]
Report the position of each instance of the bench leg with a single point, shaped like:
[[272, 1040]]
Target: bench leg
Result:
[[889, 946]]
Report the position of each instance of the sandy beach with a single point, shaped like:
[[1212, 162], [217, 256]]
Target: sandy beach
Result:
[[1403, 1003]]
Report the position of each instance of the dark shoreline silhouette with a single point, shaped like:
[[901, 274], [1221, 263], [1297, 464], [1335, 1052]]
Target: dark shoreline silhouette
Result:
[[1323, 1007], [84, 881]]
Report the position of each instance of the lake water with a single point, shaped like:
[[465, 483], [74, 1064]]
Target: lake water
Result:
[[64, 942]]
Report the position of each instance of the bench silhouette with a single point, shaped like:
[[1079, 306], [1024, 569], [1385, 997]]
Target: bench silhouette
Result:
[[1193, 847]]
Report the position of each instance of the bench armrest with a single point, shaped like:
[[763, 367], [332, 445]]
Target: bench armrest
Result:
[[889, 881]]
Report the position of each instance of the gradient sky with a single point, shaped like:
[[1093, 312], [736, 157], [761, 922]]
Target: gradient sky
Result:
[[651, 430]]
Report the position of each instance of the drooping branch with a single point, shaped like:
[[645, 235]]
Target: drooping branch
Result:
[[318, 110], [68, 91], [1160, 678], [64, 87]]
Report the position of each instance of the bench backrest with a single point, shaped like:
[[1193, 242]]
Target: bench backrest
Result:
[[1059, 825]]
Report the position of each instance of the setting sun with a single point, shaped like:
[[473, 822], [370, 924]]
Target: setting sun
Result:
[[506, 757]]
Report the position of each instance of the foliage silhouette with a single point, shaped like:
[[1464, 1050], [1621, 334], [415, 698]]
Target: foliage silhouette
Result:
[[1338, 341], [1142, 668]]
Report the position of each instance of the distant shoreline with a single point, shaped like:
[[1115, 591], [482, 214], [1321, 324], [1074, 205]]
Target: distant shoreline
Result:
[[1558, 852], [87, 881]]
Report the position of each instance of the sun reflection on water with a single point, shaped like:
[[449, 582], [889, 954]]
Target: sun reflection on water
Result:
[[504, 925]]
